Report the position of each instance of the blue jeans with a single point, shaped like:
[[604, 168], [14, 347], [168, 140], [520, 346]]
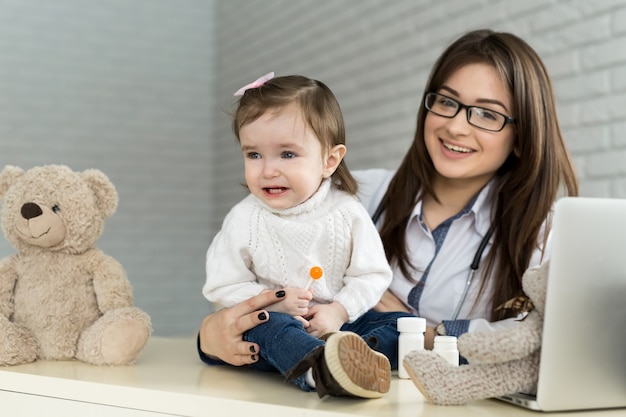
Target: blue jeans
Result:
[[283, 342]]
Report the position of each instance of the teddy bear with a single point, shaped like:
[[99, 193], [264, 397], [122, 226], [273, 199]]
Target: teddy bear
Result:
[[61, 297], [500, 363]]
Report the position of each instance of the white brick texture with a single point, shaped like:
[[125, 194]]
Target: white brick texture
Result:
[[375, 55]]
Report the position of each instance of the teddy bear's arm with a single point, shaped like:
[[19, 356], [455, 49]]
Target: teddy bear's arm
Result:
[[516, 342], [505, 345], [8, 277], [113, 290]]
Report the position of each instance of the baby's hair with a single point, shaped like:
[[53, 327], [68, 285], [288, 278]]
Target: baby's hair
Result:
[[319, 108]]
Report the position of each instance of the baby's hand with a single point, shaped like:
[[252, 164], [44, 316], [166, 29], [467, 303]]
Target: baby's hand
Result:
[[326, 318], [296, 302]]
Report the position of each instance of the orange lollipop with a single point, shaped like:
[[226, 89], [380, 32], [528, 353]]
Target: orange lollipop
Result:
[[315, 273]]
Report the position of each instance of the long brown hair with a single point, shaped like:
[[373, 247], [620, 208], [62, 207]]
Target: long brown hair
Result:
[[319, 108], [526, 185]]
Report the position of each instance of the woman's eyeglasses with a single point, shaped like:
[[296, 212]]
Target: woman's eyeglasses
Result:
[[480, 117]]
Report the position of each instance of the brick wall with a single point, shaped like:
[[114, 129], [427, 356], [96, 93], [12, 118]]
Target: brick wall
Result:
[[375, 55]]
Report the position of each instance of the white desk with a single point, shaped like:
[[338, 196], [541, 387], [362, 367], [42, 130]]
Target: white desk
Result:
[[169, 379]]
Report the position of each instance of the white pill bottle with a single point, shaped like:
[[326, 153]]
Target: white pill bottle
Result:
[[411, 338], [446, 347]]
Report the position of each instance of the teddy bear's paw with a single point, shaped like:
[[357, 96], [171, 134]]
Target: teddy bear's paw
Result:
[[123, 341], [116, 338], [430, 373], [17, 345]]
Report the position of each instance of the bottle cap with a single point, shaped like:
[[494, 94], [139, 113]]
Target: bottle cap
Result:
[[445, 341], [412, 324]]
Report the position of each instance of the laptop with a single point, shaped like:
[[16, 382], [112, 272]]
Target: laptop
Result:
[[583, 353]]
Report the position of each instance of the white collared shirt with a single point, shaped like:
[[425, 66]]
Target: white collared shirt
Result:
[[449, 259]]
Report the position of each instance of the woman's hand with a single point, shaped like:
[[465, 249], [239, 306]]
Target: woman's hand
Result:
[[389, 302], [295, 302], [221, 332], [429, 338]]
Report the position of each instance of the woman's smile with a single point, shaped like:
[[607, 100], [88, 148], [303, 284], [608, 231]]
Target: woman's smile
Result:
[[456, 148]]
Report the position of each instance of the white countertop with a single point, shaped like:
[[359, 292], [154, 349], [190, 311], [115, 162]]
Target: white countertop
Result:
[[170, 379]]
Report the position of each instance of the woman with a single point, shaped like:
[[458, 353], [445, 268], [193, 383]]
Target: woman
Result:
[[486, 165]]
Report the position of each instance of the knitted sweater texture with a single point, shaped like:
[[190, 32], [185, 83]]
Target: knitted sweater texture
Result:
[[262, 248]]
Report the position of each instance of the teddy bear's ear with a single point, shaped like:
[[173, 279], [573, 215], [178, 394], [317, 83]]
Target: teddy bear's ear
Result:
[[8, 176], [103, 189]]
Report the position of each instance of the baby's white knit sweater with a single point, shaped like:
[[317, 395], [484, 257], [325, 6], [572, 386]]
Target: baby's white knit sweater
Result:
[[262, 248]]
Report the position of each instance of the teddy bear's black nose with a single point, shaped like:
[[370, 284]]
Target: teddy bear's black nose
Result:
[[31, 210]]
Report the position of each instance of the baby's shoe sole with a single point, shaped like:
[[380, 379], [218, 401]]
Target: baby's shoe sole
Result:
[[358, 369]]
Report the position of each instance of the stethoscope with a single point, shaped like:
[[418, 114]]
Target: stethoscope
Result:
[[473, 266]]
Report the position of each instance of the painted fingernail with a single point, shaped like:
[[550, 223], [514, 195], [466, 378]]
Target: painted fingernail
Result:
[[262, 316], [254, 358], [280, 294], [252, 349]]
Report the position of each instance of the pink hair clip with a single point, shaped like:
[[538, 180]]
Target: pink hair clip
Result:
[[255, 84]]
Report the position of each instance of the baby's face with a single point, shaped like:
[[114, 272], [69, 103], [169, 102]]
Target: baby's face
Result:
[[283, 158]]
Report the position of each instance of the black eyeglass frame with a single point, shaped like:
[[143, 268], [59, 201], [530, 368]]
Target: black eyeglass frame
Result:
[[461, 106]]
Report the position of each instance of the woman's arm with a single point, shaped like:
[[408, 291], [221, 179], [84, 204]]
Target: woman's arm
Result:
[[390, 302], [221, 332]]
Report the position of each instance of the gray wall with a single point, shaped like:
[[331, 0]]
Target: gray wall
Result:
[[124, 86], [141, 89]]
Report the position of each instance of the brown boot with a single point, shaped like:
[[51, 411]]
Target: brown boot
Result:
[[346, 366]]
